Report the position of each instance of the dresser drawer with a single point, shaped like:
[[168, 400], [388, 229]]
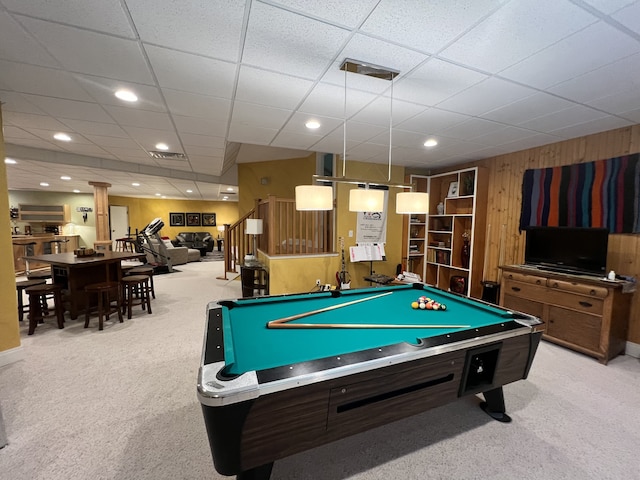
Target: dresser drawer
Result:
[[578, 328], [583, 289], [525, 278], [526, 290], [581, 303]]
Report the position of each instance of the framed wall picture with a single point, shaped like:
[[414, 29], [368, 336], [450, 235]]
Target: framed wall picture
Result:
[[453, 189], [208, 219], [176, 219], [193, 219]]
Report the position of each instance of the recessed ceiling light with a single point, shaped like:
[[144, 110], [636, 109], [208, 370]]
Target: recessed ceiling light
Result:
[[63, 137], [76, 190], [432, 142], [158, 194], [135, 184], [229, 189], [126, 95], [163, 196], [225, 198], [312, 124], [65, 177], [44, 184], [162, 146], [10, 161], [189, 191]]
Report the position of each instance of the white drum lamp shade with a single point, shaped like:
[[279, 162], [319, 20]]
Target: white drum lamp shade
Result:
[[253, 226], [314, 197], [366, 200], [412, 202]]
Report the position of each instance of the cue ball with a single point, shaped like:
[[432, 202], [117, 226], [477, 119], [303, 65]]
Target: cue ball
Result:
[[414, 305], [422, 306]]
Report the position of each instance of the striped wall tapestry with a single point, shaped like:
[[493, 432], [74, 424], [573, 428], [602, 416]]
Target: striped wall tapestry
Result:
[[604, 193]]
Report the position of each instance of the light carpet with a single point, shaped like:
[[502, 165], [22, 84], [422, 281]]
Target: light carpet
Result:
[[121, 404]]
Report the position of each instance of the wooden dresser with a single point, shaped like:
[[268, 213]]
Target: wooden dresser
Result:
[[585, 313]]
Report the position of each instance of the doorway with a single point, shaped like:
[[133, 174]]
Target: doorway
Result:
[[119, 221]]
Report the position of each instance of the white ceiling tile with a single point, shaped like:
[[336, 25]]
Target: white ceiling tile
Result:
[[17, 45], [106, 141], [336, 11], [203, 140], [128, 152], [427, 26], [254, 135], [435, 81], [500, 41], [593, 126], [596, 45], [432, 120], [378, 112], [100, 54], [195, 151], [523, 110], [486, 96], [100, 15], [629, 16], [271, 89], [633, 115], [102, 90], [86, 149], [139, 118], [30, 121], [200, 126], [504, 135], [619, 76], [37, 143], [95, 128], [202, 106], [47, 134], [11, 133], [608, 6], [296, 124], [16, 102], [210, 28], [213, 77], [40, 81], [259, 116], [281, 41], [328, 100], [471, 128], [149, 137], [569, 116], [70, 109], [361, 132]]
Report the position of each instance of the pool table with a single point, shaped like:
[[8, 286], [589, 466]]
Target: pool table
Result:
[[267, 393]]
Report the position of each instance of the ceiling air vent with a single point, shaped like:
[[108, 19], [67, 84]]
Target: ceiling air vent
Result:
[[167, 155]]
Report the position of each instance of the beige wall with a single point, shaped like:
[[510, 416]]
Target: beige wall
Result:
[[143, 210], [282, 177], [9, 329]]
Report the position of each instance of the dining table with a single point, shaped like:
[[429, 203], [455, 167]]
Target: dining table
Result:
[[73, 272]]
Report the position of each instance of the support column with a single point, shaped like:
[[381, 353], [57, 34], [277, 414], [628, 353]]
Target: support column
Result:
[[101, 203]]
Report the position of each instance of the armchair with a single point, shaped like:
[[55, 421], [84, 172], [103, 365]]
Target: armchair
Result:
[[202, 241]]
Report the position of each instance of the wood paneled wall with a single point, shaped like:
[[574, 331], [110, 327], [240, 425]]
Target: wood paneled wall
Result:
[[505, 243]]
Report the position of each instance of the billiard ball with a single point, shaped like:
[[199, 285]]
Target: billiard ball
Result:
[[414, 305], [443, 306], [422, 306]]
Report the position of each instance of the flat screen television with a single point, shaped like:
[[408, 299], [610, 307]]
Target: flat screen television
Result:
[[567, 249]]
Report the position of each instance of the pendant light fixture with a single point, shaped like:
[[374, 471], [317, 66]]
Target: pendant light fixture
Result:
[[317, 197]]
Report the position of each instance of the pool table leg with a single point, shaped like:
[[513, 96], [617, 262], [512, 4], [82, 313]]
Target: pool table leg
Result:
[[262, 472], [494, 405]]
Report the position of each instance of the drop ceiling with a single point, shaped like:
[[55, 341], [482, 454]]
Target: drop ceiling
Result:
[[216, 79]]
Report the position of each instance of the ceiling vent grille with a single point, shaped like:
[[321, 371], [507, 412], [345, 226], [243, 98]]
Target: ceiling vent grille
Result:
[[167, 155]]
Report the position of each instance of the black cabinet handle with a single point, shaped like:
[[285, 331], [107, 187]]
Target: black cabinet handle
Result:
[[555, 285], [592, 292], [538, 282], [586, 304], [515, 289]]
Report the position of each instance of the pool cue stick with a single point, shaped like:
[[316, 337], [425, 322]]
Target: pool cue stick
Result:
[[358, 325], [320, 310]]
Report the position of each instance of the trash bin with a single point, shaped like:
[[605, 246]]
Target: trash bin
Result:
[[490, 292]]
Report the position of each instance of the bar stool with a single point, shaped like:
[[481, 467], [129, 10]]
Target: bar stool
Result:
[[20, 287], [135, 287], [56, 245], [104, 291], [144, 270], [28, 250], [124, 245], [103, 245], [37, 295]]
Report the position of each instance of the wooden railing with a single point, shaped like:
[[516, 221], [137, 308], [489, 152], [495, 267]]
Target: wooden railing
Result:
[[285, 231]]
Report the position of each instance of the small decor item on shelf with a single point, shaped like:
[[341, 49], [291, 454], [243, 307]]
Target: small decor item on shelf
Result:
[[467, 184], [458, 284], [465, 253], [440, 208]]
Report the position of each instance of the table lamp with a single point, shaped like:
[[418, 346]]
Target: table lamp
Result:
[[253, 227]]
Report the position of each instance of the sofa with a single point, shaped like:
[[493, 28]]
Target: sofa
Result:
[[177, 255], [202, 241]]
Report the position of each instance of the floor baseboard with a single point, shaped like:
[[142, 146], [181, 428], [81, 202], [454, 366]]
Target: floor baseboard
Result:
[[12, 355], [632, 349]]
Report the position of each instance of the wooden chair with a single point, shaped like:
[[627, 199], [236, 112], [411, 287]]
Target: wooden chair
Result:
[[135, 291], [20, 287], [37, 296], [107, 292]]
